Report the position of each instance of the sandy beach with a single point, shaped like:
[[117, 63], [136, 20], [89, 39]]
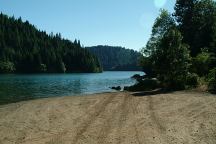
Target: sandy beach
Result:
[[128, 118]]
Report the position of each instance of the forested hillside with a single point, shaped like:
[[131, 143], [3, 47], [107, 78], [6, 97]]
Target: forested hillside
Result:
[[116, 58], [24, 49]]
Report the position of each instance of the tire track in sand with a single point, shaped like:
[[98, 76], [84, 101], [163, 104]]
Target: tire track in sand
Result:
[[82, 125], [154, 117], [116, 120], [91, 118], [159, 127], [135, 111]]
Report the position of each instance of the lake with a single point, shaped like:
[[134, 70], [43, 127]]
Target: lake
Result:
[[14, 87]]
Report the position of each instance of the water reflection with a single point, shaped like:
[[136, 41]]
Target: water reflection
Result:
[[15, 88]]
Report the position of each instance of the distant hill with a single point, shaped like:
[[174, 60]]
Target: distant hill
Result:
[[116, 58], [25, 49]]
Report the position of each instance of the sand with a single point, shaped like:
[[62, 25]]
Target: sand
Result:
[[184, 117]]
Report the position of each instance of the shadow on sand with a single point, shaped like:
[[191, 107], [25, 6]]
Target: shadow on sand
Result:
[[151, 93]]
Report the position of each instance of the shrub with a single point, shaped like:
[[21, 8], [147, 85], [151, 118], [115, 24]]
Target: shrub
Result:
[[202, 63], [212, 81], [43, 68], [6, 67], [192, 80]]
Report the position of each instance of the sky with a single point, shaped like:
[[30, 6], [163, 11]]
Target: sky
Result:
[[124, 23]]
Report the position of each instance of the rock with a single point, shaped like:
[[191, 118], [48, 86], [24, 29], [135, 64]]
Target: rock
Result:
[[118, 88]]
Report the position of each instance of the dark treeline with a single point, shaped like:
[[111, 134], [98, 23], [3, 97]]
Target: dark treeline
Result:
[[116, 58], [24, 49], [181, 52]]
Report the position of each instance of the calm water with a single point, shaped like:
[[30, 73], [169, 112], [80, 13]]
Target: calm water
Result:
[[14, 88]]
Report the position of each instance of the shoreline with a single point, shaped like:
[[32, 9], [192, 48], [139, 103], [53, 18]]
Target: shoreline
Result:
[[56, 97], [113, 117]]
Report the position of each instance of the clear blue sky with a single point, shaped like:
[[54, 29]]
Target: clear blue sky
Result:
[[124, 23]]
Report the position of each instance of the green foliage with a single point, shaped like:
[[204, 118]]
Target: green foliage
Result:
[[146, 64], [172, 43], [192, 80], [162, 24], [172, 60], [184, 11], [116, 58], [32, 51], [43, 68], [197, 23], [166, 54], [6, 67], [212, 80], [202, 63]]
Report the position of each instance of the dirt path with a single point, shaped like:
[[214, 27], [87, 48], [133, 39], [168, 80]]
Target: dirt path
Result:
[[180, 117]]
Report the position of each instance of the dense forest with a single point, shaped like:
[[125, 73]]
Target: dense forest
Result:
[[116, 58], [24, 49], [181, 52]]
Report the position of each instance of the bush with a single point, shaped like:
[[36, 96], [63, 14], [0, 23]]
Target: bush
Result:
[[212, 81], [6, 67], [202, 63], [176, 83], [192, 80], [43, 68]]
